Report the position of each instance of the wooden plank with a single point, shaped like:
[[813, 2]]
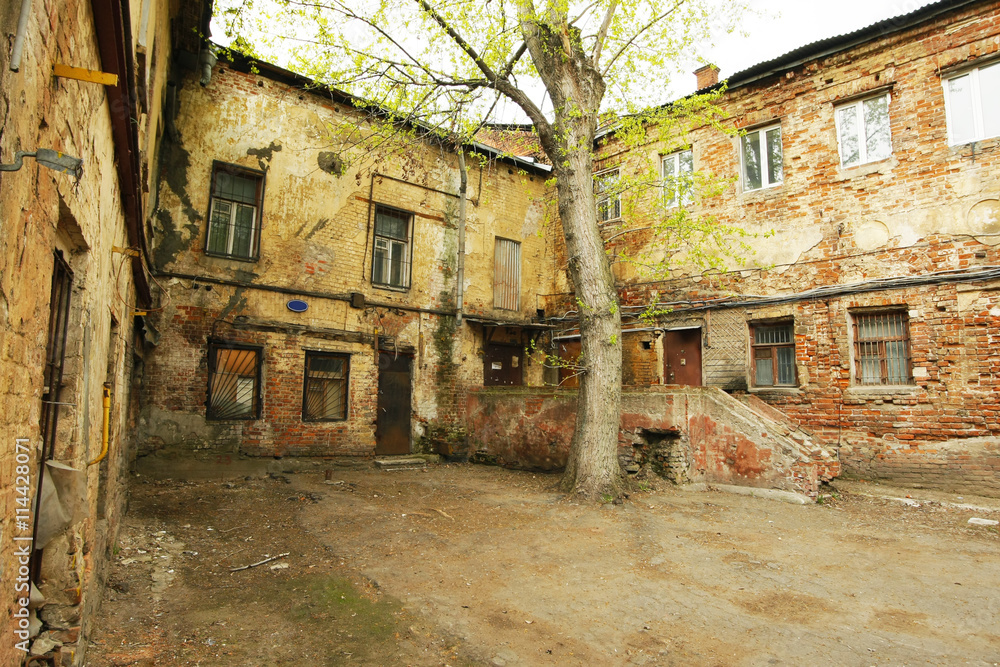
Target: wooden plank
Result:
[[89, 75]]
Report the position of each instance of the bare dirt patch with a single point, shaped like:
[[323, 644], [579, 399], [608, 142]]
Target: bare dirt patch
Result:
[[475, 565]]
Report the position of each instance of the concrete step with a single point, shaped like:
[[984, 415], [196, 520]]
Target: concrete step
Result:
[[400, 463]]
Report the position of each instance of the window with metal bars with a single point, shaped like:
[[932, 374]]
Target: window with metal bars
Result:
[[234, 213], [773, 355], [391, 254], [507, 274], [325, 394], [882, 348], [233, 381]]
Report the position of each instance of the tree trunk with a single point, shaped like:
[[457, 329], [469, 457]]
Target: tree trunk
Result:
[[592, 470]]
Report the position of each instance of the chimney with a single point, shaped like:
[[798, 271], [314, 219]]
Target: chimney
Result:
[[707, 76]]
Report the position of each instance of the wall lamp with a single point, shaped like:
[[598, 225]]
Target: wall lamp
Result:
[[66, 164]]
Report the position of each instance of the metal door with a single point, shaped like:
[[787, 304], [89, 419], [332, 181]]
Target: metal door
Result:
[[392, 426], [503, 364], [682, 357]]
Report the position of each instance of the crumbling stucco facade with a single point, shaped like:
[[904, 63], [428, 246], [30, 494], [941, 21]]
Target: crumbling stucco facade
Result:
[[71, 281], [324, 187]]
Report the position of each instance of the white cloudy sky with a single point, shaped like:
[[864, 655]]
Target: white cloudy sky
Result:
[[784, 25]]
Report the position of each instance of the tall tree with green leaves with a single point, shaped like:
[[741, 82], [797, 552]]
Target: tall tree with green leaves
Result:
[[565, 64]]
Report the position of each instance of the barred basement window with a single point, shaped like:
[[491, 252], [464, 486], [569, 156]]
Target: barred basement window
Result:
[[233, 381], [391, 255], [773, 355], [325, 395], [507, 274], [882, 348], [234, 213]]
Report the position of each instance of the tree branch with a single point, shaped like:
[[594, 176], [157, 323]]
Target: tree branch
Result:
[[602, 34], [644, 28]]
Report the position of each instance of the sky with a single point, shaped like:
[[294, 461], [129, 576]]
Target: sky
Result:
[[784, 25]]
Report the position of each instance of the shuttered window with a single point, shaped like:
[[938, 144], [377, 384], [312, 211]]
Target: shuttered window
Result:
[[882, 348], [507, 275], [233, 381]]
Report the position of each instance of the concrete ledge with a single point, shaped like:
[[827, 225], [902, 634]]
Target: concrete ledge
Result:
[[767, 494]]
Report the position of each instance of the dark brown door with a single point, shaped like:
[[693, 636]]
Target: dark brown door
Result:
[[682, 357], [392, 426], [504, 364]]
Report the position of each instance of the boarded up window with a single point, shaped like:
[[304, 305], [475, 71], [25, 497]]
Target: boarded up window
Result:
[[882, 348], [233, 381], [325, 396], [507, 275]]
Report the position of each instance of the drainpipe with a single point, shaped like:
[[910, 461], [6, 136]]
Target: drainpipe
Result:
[[462, 192], [106, 436], [22, 28]]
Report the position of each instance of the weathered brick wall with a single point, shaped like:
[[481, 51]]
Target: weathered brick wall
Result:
[[316, 244], [83, 219], [929, 207], [713, 437]]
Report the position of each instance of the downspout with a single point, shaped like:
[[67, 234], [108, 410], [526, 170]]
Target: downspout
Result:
[[462, 192], [106, 434], [22, 28]]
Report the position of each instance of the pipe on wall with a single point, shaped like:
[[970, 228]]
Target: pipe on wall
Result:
[[22, 29]]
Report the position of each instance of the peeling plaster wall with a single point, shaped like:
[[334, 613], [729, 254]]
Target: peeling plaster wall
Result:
[[929, 207], [45, 212], [316, 244]]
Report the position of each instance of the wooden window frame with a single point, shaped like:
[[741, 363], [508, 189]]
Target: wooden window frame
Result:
[[609, 204], [211, 409], [881, 347], [772, 348], [346, 381], [385, 280], [215, 200]]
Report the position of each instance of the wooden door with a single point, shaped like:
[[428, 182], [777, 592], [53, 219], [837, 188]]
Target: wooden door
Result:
[[392, 426], [682, 357], [503, 364]]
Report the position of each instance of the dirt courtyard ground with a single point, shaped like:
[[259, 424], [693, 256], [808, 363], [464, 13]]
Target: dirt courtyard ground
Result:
[[471, 565]]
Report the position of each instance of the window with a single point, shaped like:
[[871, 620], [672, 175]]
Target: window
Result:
[[234, 214], [773, 355], [677, 168], [609, 203], [882, 348], [972, 104], [325, 395], [507, 274], [761, 155], [233, 381], [863, 131], [391, 258]]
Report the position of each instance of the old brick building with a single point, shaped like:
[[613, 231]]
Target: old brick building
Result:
[[867, 167], [310, 276], [88, 80], [310, 280]]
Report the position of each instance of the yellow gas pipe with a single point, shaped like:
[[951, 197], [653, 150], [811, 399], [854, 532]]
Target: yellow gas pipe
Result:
[[106, 436]]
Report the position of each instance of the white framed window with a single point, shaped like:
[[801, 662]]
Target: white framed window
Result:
[[676, 170], [863, 131], [234, 212], [972, 104], [391, 253], [760, 155], [609, 202]]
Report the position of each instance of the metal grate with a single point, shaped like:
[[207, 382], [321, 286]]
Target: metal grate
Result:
[[325, 387], [507, 275], [234, 378], [882, 348]]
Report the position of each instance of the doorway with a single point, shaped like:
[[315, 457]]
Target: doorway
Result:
[[682, 357], [392, 425]]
